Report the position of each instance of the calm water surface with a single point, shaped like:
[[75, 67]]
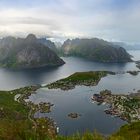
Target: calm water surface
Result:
[[79, 99], [11, 79]]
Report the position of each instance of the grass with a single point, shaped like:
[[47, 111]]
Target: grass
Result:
[[13, 116], [15, 129], [20, 131], [15, 124], [85, 136], [11, 109], [81, 76], [90, 78], [128, 132]]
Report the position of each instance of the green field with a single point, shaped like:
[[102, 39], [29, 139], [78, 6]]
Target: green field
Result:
[[90, 78]]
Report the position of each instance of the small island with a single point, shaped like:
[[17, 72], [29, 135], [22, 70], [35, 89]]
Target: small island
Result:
[[90, 78], [74, 115], [127, 107], [134, 73]]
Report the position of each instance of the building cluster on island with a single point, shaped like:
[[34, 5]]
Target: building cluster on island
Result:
[[127, 107]]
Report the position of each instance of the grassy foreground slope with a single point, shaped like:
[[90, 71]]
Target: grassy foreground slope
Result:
[[17, 121], [126, 132], [15, 124], [13, 117]]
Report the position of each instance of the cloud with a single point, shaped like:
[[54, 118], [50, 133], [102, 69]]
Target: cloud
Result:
[[110, 19]]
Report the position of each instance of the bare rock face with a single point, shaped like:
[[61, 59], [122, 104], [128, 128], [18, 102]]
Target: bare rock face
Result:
[[48, 43], [30, 38], [29, 57], [26, 53], [96, 50]]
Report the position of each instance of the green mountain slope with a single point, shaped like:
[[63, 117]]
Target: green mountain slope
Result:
[[96, 50]]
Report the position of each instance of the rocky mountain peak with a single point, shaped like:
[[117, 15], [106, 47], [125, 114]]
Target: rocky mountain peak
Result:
[[31, 38]]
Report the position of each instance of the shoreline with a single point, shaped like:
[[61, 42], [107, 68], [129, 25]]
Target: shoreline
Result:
[[118, 105], [126, 107]]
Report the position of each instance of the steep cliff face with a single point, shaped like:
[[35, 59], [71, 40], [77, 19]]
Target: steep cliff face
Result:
[[48, 43], [96, 50], [26, 53]]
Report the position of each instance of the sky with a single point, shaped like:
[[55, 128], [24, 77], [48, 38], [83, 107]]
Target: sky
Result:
[[113, 20]]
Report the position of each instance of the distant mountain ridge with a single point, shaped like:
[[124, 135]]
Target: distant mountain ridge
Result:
[[26, 53], [128, 46], [95, 49], [48, 43]]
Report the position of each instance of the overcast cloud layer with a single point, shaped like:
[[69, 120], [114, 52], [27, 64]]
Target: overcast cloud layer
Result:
[[115, 20]]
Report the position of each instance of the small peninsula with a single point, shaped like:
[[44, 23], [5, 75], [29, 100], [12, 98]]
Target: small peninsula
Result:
[[90, 78]]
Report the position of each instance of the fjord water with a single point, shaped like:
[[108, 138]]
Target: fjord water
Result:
[[79, 99], [11, 79]]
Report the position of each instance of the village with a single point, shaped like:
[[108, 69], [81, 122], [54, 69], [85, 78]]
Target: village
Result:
[[126, 107]]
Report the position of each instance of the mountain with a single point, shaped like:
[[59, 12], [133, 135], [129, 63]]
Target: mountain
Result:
[[54, 46], [48, 43], [26, 53], [58, 44], [128, 46], [95, 49]]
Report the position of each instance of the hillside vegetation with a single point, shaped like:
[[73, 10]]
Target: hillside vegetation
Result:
[[90, 78], [95, 50]]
